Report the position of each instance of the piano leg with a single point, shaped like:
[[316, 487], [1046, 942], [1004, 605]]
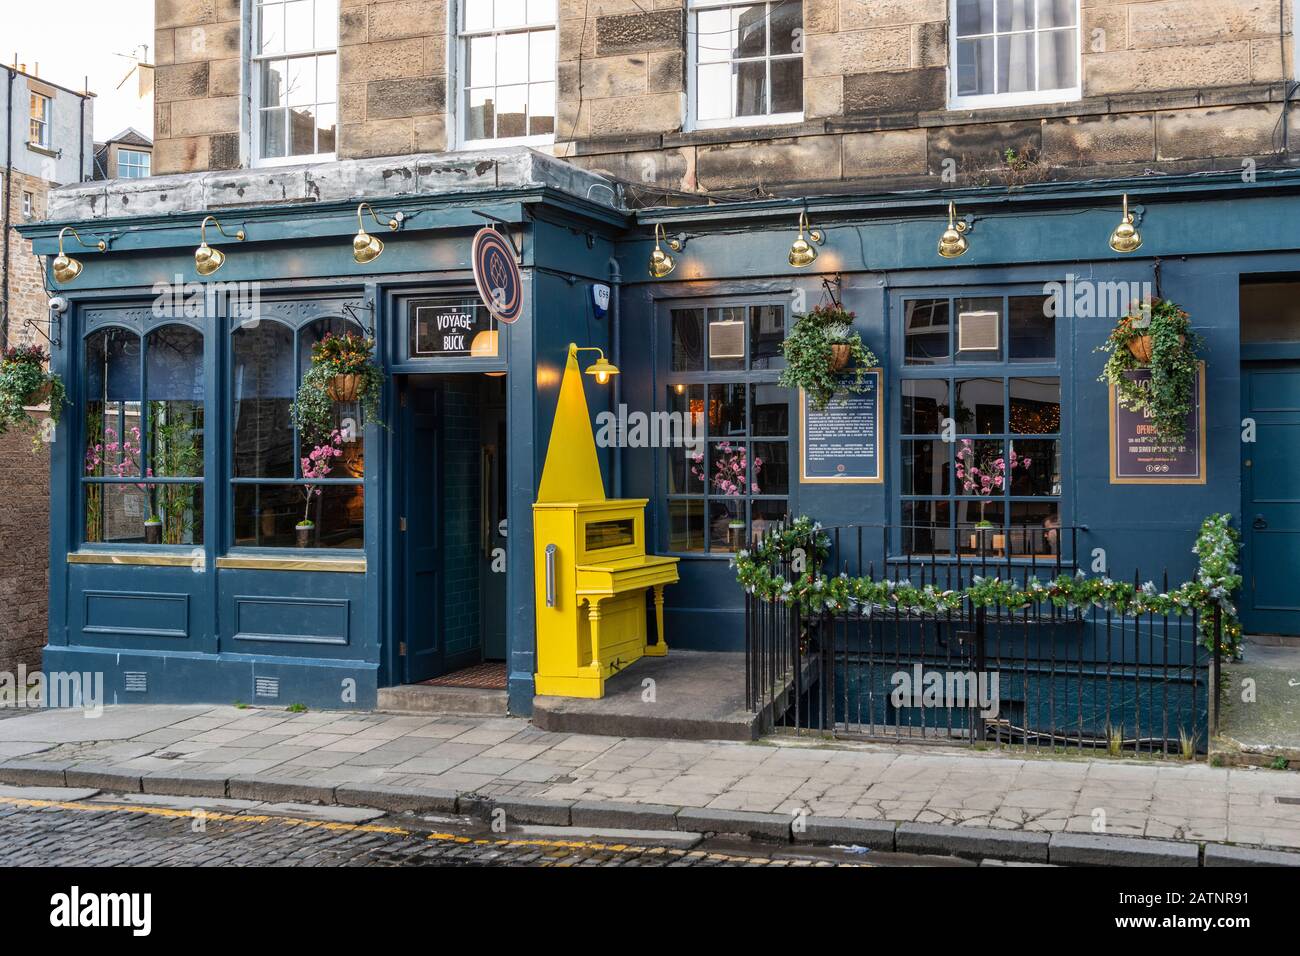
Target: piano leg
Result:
[[659, 649], [593, 618]]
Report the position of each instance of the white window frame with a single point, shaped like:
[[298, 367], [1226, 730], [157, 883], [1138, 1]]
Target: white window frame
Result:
[[29, 205], [255, 61], [692, 75], [1027, 97], [39, 124], [456, 107], [146, 165]]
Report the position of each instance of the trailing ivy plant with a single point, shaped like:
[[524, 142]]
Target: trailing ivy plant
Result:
[[348, 354], [773, 570], [809, 355], [22, 375], [1167, 397]]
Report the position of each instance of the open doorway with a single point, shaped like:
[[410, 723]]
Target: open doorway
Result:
[[453, 500]]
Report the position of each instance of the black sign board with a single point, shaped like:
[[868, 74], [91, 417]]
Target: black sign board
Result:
[[448, 327], [1137, 457], [840, 444]]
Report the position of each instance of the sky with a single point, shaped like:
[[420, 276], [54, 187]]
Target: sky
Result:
[[73, 39]]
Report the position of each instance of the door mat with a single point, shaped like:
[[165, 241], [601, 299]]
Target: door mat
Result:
[[490, 675]]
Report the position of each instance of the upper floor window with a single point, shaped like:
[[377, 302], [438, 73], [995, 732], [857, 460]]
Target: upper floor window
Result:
[[506, 88], [295, 80], [39, 127], [1012, 52], [28, 205], [746, 62], [132, 164]]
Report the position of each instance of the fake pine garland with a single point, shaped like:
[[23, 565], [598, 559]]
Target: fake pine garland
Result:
[[1215, 582]]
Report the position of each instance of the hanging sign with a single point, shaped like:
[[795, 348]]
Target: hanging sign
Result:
[[841, 443], [1137, 457], [496, 274]]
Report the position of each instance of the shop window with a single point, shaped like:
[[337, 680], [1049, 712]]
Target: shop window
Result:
[[143, 422], [295, 79], [980, 442], [1012, 52], [507, 53], [747, 62], [272, 491], [728, 477]]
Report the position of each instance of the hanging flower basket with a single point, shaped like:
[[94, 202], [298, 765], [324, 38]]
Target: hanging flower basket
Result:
[[1157, 336], [840, 354], [39, 395], [1143, 346], [344, 388], [823, 355]]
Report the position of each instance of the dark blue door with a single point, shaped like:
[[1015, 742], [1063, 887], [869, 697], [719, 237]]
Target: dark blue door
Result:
[[1270, 486], [421, 537]]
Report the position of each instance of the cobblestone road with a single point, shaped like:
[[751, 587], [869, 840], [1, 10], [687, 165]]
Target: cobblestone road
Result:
[[100, 832]]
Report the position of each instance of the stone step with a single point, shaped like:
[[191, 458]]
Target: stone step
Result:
[[424, 699]]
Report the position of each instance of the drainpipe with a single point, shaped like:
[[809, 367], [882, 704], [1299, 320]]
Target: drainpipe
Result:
[[81, 143], [615, 346], [8, 201]]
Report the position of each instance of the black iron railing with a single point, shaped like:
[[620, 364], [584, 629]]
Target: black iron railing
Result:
[[1041, 676]]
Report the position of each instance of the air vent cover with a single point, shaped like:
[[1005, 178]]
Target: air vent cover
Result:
[[978, 331], [266, 687], [135, 682], [726, 340]]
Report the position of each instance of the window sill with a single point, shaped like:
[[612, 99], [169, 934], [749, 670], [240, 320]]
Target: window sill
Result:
[[705, 136], [267, 563], [43, 150], [133, 558]]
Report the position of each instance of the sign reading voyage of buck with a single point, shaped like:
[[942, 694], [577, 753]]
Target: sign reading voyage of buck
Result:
[[1138, 457], [841, 443]]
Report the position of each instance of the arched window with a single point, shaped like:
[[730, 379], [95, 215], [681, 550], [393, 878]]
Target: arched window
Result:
[[143, 428], [272, 495]]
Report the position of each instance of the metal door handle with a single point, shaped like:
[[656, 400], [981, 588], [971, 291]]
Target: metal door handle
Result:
[[1260, 523], [550, 575]]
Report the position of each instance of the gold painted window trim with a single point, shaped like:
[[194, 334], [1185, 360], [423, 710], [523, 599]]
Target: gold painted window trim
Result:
[[132, 558], [258, 563]]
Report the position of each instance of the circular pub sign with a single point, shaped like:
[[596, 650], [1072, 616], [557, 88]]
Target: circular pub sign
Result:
[[496, 274]]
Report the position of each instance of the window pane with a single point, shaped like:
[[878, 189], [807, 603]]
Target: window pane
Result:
[[787, 86], [275, 83], [686, 525], [541, 109], [925, 406], [298, 27], [925, 329], [1032, 332], [728, 469], [327, 77], [925, 467], [713, 91], [270, 28], [272, 139], [1016, 63], [770, 406], [480, 61], [979, 404], [726, 410], [751, 88], [975, 67], [512, 58], [974, 16], [785, 24], [1056, 13], [480, 118], [1036, 529], [714, 40], [476, 16], [541, 56], [1015, 15], [726, 525], [327, 24], [925, 527], [769, 468], [1057, 60], [347, 415], [686, 463], [766, 333], [326, 125], [512, 111], [509, 13], [112, 411], [174, 356], [265, 516], [980, 468], [1035, 466], [263, 392], [974, 318], [116, 514], [300, 88], [727, 339], [765, 515], [1035, 406], [980, 531], [751, 30], [302, 130], [541, 11], [688, 340]]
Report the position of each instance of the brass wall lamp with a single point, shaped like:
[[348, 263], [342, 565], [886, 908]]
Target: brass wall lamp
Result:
[[67, 268], [661, 263], [206, 259], [1126, 237], [802, 252], [602, 369], [953, 243], [365, 247]]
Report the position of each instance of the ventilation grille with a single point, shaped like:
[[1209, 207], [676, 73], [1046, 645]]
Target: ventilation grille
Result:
[[135, 682], [978, 331], [266, 687], [726, 340]]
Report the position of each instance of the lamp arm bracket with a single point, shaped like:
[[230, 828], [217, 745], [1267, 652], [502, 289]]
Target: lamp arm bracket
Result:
[[509, 237]]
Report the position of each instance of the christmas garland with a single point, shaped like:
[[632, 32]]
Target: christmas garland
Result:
[[802, 547]]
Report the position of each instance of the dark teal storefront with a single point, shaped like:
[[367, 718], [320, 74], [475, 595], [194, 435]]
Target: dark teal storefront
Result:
[[400, 585]]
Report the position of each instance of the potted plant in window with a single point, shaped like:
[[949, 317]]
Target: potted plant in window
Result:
[[819, 351], [1157, 336], [986, 472], [316, 464], [342, 370], [25, 382]]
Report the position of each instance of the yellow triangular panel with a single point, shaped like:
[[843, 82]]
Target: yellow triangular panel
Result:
[[572, 470]]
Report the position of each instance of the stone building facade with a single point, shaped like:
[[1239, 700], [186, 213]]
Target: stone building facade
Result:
[[1170, 85]]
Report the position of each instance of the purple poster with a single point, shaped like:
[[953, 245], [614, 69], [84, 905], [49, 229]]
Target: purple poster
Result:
[[1137, 456]]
